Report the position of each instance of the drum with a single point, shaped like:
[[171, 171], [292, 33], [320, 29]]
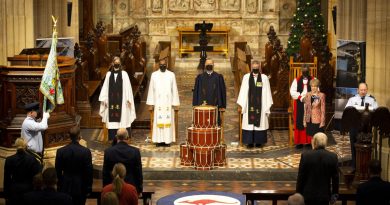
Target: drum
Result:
[[203, 157], [204, 137], [220, 155], [204, 116], [186, 155]]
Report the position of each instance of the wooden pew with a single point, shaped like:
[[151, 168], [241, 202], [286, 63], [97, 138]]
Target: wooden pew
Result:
[[282, 195], [146, 195]]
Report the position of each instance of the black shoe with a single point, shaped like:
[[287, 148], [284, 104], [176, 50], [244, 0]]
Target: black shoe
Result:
[[259, 145], [249, 146], [299, 146]]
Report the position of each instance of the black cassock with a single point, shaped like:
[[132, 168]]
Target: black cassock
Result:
[[209, 88]]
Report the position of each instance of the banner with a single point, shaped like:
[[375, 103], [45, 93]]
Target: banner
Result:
[[50, 85]]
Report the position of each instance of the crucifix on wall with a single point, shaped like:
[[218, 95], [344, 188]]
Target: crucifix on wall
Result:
[[203, 41]]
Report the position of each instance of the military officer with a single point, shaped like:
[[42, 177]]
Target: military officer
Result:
[[358, 101], [31, 130]]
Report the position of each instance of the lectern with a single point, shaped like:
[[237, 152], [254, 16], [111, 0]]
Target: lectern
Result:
[[19, 85]]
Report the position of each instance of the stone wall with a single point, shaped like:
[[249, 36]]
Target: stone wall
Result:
[[248, 20]]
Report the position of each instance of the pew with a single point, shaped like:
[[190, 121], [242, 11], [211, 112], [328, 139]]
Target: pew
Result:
[[282, 195], [146, 195]]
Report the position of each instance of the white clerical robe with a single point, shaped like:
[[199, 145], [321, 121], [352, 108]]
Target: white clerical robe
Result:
[[163, 94], [128, 112], [266, 103]]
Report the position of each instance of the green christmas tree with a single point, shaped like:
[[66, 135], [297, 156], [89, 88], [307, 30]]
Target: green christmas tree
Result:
[[307, 11]]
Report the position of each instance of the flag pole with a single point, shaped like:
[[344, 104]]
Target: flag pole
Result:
[[55, 33]]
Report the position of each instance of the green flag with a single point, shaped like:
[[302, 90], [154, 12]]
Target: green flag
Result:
[[50, 85]]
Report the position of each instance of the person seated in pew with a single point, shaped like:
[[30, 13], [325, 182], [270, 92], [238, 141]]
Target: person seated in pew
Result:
[[127, 194], [110, 198], [375, 190], [296, 199], [48, 195], [255, 101]]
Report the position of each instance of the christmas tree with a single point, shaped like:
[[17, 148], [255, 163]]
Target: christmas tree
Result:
[[308, 11]]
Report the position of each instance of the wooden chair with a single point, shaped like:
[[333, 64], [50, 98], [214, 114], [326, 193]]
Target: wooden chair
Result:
[[295, 71], [241, 63]]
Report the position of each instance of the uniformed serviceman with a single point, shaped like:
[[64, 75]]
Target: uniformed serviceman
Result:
[[359, 101], [31, 130]]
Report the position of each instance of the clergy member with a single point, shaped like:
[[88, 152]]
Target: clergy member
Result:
[[163, 95], [298, 90], [116, 100], [255, 100], [210, 88]]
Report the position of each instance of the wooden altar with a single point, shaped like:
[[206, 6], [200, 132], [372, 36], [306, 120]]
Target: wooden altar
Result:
[[19, 85], [188, 38]]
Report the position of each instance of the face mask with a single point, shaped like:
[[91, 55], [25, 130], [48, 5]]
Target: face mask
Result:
[[305, 73], [255, 70], [116, 65], [209, 67], [163, 67]]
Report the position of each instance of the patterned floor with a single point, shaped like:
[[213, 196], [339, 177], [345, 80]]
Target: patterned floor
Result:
[[271, 156], [276, 154]]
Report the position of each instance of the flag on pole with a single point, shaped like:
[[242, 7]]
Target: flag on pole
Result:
[[50, 84]]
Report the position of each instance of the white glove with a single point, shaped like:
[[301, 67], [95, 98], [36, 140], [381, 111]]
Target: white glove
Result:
[[46, 115]]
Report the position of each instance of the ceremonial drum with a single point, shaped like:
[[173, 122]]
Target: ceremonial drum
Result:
[[207, 137], [220, 155], [186, 155], [204, 157], [204, 116]]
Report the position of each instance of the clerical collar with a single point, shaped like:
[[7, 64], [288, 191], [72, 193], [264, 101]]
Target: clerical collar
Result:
[[115, 71], [209, 72]]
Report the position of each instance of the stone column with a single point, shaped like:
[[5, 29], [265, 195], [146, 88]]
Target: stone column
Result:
[[378, 60], [351, 19], [16, 26]]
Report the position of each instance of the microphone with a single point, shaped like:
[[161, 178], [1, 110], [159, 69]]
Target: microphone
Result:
[[69, 11]]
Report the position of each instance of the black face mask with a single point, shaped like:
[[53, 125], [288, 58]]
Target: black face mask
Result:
[[163, 67], [116, 66], [255, 71], [305, 73], [209, 67]]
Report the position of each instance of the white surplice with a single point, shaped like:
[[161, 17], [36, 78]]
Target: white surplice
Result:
[[163, 94], [266, 102], [128, 112]]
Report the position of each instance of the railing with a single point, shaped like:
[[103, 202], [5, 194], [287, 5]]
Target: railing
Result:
[[96, 194], [282, 195]]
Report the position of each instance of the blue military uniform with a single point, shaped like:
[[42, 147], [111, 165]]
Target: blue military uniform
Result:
[[359, 102]]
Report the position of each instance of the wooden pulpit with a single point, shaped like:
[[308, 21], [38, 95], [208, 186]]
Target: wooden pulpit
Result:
[[19, 85]]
